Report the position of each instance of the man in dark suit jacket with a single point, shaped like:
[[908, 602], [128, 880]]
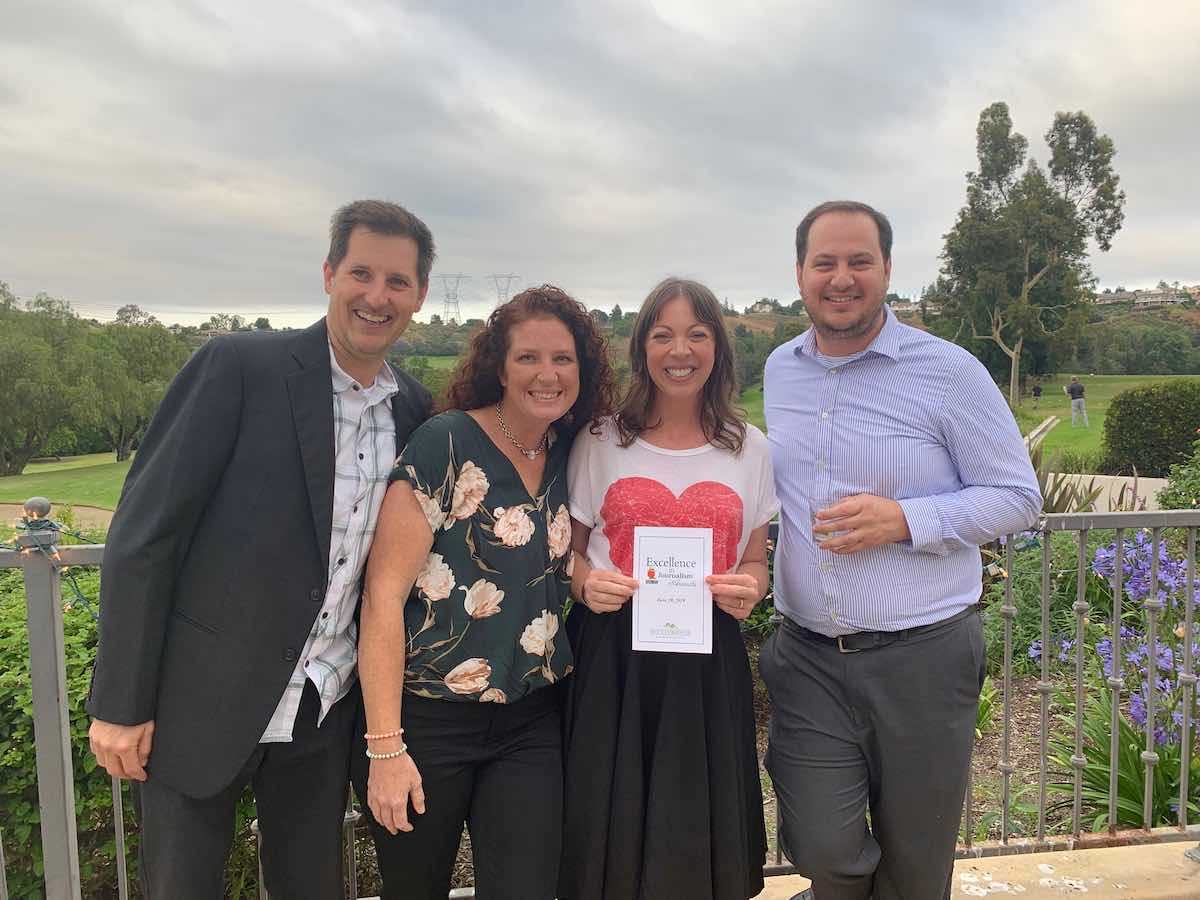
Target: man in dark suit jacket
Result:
[[233, 568]]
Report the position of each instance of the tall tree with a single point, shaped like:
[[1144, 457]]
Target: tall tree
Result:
[[1015, 261], [46, 377], [132, 314], [134, 365]]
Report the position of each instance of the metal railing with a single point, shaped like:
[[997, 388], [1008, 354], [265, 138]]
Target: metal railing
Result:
[[60, 851]]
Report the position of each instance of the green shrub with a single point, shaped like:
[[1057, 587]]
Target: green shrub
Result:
[[1149, 429], [1183, 485], [19, 814], [1079, 462], [18, 763], [1097, 719]]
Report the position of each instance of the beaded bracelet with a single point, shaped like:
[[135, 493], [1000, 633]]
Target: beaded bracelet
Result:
[[384, 734], [403, 749]]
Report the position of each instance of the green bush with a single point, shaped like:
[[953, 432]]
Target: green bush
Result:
[[1151, 428], [1183, 485], [18, 764], [19, 816], [1079, 462]]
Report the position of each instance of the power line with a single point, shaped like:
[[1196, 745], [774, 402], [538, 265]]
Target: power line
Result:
[[450, 311]]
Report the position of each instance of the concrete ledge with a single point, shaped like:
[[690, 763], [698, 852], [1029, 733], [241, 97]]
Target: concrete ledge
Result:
[[1147, 872]]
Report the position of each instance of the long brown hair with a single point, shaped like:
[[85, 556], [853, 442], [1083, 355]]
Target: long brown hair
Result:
[[722, 422], [476, 381]]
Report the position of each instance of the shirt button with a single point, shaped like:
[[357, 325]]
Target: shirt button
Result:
[[315, 595], [342, 561], [833, 371], [360, 456], [820, 465], [355, 509], [833, 616], [291, 654], [356, 387], [825, 414], [825, 567], [324, 615]]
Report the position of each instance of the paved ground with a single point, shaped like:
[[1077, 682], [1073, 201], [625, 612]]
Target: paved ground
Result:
[[1151, 872], [86, 516]]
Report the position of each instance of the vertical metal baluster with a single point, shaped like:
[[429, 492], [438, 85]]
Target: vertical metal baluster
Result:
[[968, 818], [1152, 606], [262, 882], [1044, 686], [1009, 612], [1188, 680], [1115, 681], [1080, 608], [351, 855], [119, 829], [778, 846], [3, 872]]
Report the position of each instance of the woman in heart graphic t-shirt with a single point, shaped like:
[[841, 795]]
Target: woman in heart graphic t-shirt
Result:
[[662, 794]]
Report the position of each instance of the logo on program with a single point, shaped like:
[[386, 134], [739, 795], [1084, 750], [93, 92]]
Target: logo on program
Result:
[[650, 575]]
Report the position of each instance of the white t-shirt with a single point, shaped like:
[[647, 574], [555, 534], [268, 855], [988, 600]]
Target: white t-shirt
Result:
[[613, 489]]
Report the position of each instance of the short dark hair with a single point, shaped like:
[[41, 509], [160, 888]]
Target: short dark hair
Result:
[[476, 381], [381, 217], [844, 206]]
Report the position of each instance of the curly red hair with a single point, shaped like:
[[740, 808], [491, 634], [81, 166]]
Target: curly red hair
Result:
[[476, 381]]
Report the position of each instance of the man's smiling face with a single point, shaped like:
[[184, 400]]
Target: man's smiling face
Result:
[[373, 294], [843, 280]]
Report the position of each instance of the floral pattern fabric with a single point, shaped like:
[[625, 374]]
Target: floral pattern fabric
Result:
[[483, 617]]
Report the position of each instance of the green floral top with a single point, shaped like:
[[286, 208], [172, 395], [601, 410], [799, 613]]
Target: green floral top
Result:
[[483, 618]]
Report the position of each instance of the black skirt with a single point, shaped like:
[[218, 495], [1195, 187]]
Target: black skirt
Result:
[[663, 799]]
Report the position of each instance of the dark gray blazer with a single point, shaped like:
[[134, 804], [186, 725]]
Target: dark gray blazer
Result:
[[217, 557]]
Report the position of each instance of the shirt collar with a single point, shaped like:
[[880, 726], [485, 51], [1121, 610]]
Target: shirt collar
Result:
[[886, 343], [383, 387]]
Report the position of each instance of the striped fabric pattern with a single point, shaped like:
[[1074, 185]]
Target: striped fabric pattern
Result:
[[365, 449], [913, 418]]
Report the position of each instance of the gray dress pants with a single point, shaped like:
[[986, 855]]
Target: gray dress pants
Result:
[[887, 732]]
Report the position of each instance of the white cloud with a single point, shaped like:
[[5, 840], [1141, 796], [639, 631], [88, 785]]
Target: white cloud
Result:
[[186, 155]]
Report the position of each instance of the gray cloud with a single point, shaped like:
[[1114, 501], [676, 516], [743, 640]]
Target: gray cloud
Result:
[[186, 156]]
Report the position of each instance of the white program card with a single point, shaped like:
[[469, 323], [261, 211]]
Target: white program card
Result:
[[672, 607]]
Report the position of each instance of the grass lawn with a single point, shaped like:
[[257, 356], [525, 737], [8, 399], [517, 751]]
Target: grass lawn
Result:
[[92, 480], [752, 402], [440, 362], [1100, 390]]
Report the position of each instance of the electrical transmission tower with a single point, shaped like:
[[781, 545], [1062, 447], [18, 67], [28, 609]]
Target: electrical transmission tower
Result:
[[503, 283], [450, 283]]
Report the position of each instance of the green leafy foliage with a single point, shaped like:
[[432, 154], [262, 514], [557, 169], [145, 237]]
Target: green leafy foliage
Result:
[[1097, 720], [19, 815], [1151, 428], [1183, 483]]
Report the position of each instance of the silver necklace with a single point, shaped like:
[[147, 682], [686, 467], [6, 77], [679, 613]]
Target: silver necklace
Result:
[[529, 454]]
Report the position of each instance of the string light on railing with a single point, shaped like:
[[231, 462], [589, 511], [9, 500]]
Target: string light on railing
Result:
[[39, 534]]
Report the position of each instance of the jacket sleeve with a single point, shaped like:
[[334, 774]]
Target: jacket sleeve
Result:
[[177, 467]]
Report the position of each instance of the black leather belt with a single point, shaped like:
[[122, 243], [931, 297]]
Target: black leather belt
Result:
[[858, 641]]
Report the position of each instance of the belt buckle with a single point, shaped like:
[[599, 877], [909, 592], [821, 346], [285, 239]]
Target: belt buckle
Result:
[[842, 648]]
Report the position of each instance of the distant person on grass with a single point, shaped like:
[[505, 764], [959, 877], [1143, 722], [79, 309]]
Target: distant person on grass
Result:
[[228, 646], [1037, 393], [895, 457], [1074, 390]]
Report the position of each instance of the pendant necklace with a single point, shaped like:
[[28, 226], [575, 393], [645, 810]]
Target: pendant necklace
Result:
[[529, 453]]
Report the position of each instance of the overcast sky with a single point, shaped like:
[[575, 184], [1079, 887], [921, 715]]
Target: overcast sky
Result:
[[186, 156]]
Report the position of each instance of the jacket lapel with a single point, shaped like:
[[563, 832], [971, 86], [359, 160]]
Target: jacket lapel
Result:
[[311, 393]]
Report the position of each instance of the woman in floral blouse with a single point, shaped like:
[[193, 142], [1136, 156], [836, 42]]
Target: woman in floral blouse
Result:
[[460, 636]]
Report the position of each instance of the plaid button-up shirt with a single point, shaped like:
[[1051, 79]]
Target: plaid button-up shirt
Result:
[[365, 448]]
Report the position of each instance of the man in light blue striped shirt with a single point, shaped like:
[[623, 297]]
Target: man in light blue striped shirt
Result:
[[895, 457]]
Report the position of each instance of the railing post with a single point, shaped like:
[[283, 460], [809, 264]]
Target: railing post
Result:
[[51, 725]]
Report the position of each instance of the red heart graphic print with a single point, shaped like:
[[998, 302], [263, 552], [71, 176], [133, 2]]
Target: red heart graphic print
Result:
[[630, 502]]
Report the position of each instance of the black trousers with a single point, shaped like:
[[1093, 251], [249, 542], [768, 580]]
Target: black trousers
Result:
[[496, 767], [887, 730], [300, 793]]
